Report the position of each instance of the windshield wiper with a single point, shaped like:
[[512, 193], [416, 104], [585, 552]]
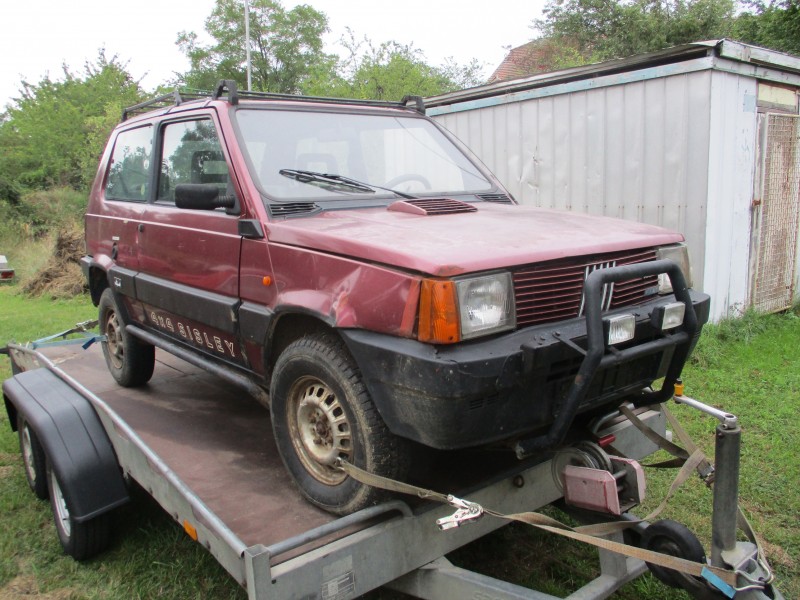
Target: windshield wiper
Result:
[[334, 182]]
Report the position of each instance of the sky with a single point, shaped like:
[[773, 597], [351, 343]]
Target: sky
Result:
[[39, 36]]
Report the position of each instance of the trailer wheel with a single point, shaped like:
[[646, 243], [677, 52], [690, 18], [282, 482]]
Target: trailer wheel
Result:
[[33, 458], [321, 411], [130, 361], [673, 538], [79, 540]]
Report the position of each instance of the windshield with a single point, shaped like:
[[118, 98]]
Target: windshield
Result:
[[406, 154]]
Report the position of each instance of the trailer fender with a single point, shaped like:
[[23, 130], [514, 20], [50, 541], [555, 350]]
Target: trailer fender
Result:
[[76, 445]]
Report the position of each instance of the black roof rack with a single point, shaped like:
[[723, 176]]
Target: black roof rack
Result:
[[229, 88]]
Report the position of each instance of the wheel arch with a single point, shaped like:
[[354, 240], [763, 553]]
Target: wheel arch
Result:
[[96, 278], [76, 444], [288, 326], [98, 282]]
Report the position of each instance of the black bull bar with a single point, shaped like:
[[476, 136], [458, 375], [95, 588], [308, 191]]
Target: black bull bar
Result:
[[597, 358]]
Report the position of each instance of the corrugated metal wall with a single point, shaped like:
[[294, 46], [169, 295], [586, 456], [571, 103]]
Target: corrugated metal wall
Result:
[[639, 150], [731, 168]]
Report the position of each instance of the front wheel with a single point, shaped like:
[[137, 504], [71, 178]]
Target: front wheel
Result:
[[129, 360], [321, 411]]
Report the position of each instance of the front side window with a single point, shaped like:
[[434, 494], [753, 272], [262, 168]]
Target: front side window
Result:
[[129, 170], [191, 153], [399, 152]]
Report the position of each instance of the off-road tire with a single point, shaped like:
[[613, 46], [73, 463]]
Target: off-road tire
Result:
[[130, 361], [321, 410], [33, 458], [79, 540]]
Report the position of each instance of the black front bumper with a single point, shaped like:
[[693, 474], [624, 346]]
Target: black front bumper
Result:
[[532, 381]]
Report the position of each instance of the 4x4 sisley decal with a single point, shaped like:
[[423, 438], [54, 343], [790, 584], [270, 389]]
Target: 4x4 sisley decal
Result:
[[193, 333]]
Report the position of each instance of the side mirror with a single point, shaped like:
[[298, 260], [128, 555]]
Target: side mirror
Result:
[[202, 196]]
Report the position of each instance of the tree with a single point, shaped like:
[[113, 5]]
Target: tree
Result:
[[286, 47], [773, 25], [54, 133], [392, 70], [596, 30]]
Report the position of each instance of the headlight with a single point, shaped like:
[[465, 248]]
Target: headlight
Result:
[[486, 304], [455, 310], [679, 253]]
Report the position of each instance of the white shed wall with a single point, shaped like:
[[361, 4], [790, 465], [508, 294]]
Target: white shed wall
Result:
[[731, 169], [675, 151]]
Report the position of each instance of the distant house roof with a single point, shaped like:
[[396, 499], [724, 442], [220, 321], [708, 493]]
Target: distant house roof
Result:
[[528, 59]]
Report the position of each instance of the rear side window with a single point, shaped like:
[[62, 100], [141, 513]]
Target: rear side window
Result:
[[191, 153], [129, 171]]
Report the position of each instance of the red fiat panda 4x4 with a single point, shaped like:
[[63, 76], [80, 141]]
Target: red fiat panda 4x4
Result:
[[359, 271]]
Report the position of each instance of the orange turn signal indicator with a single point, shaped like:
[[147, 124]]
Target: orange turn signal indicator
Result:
[[266, 281], [438, 312]]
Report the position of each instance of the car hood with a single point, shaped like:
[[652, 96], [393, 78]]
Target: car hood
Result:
[[495, 236]]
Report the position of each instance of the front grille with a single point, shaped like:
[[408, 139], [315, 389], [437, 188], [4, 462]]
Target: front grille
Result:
[[553, 291]]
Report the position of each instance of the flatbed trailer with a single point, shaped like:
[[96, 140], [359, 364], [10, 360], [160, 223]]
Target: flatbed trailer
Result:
[[204, 452]]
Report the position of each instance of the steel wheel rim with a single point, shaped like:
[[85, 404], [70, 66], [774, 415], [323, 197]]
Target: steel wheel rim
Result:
[[114, 340], [60, 505], [27, 453], [319, 429]]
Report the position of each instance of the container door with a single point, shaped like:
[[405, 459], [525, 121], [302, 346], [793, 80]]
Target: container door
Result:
[[776, 213]]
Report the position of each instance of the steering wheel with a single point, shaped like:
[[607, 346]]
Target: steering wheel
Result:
[[409, 177]]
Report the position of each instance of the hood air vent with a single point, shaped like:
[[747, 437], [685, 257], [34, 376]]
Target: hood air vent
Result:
[[432, 206], [289, 209], [496, 198]]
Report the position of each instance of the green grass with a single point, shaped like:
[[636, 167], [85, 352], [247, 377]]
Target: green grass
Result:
[[750, 367]]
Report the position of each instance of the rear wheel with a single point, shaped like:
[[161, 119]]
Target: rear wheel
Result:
[[130, 361], [321, 411], [79, 540], [33, 458]]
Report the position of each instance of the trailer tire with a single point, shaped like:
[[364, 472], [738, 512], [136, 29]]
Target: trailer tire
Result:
[[673, 538], [130, 361], [321, 410], [33, 458], [79, 540]]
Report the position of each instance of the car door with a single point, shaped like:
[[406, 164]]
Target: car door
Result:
[[189, 259], [113, 220]]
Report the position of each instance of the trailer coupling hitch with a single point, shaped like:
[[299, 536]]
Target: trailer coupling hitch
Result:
[[467, 512]]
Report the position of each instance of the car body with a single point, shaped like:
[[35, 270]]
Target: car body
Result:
[[359, 263]]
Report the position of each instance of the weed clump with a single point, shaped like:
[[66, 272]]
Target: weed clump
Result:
[[61, 276]]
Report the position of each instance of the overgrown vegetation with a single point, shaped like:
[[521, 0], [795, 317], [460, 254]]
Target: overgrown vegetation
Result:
[[54, 133], [42, 238], [576, 32]]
